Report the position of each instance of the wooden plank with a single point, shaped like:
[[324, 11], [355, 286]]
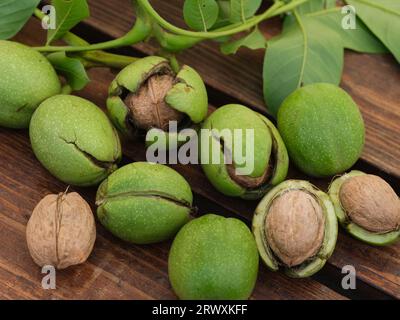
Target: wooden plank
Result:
[[96, 92], [386, 259], [194, 175], [372, 80], [115, 270]]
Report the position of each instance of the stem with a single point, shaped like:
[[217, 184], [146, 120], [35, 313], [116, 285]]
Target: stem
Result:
[[66, 89], [277, 8], [108, 59], [91, 59], [140, 31], [206, 35], [172, 59], [173, 42], [179, 40]]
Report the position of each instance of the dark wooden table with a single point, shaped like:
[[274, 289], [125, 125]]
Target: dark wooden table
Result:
[[117, 270]]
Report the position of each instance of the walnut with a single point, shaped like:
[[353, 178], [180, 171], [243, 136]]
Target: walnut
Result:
[[295, 226], [248, 181], [61, 231], [370, 203], [148, 107]]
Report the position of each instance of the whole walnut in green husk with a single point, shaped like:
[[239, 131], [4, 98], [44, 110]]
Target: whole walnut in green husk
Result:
[[322, 128], [26, 79], [213, 257], [144, 203], [74, 140]]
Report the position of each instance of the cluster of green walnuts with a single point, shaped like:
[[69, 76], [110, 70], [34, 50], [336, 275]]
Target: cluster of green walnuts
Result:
[[295, 226]]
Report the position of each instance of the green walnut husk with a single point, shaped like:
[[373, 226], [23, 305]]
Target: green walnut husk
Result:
[[26, 79], [148, 94], [74, 140], [366, 207], [213, 257], [144, 203], [322, 128], [295, 228], [270, 156]]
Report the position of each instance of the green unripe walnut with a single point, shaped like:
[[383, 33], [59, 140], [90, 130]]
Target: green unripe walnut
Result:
[[213, 257], [26, 79], [295, 228], [267, 159], [322, 128], [74, 140], [144, 203], [367, 207], [148, 94]]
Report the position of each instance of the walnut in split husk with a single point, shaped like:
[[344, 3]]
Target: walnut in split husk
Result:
[[148, 94], [227, 132], [367, 207], [295, 228]]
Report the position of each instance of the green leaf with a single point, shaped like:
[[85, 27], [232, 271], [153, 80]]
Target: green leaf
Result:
[[233, 11], [13, 16], [383, 19], [315, 5], [68, 14], [360, 39], [223, 14], [254, 40], [71, 68], [240, 10], [224, 8], [200, 15], [306, 52]]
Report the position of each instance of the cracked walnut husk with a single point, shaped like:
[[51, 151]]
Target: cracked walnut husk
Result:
[[74, 140], [148, 94]]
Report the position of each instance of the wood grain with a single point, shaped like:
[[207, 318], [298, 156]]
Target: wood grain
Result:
[[120, 271], [372, 80], [115, 270]]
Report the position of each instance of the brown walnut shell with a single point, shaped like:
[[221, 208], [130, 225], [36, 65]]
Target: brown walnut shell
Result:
[[370, 202], [61, 231], [148, 106], [295, 226], [247, 181]]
